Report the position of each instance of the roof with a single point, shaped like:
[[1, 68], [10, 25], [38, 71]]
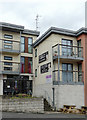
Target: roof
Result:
[[17, 28], [31, 32], [59, 31], [11, 27]]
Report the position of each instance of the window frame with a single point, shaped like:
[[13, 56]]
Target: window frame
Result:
[[23, 44], [35, 72], [9, 46], [8, 63], [31, 45], [35, 52], [7, 57], [10, 68], [8, 36]]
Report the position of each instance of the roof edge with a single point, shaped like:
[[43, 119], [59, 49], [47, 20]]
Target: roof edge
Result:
[[59, 31]]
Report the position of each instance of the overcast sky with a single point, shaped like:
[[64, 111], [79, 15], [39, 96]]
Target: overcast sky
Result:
[[69, 14]]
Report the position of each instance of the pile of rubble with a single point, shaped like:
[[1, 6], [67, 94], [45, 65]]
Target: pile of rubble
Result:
[[73, 109]]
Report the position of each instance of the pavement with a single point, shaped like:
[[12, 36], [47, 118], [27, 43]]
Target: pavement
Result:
[[45, 116]]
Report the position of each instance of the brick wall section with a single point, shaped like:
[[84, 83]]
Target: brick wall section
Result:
[[34, 105], [83, 38], [26, 45], [26, 65]]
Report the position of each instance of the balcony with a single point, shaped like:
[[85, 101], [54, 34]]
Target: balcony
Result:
[[9, 68], [67, 52], [67, 77], [9, 46]]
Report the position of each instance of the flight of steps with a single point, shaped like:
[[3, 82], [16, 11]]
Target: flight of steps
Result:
[[47, 106]]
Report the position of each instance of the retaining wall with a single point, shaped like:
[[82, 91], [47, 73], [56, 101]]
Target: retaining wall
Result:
[[34, 105]]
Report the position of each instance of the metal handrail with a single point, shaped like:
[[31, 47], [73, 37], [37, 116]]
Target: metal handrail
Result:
[[66, 45], [48, 98], [67, 71], [75, 75], [73, 51]]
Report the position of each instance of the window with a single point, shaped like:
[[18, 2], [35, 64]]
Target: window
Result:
[[22, 44], [8, 68], [8, 46], [79, 48], [67, 74], [8, 42], [80, 72], [8, 63], [35, 52], [8, 36], [35, 72], [66, 47], [7, 58], [30, 48]]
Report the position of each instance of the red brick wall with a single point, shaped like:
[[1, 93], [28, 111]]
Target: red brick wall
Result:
[[26, 45], [83, 38], [26, 64]]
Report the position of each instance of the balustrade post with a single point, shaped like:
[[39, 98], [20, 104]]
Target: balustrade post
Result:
[[58, 62]]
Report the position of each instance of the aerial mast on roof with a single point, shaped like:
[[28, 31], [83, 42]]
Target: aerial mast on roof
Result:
[[37, 19]]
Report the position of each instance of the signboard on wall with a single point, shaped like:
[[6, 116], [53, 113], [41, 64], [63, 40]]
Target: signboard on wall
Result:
[[48, 78], [45, 68], [43, 57]]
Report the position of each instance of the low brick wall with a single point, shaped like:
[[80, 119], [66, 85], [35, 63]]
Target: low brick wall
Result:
[[34, 105]]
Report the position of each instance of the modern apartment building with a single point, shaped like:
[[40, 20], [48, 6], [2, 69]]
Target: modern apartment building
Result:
[[53, 66], [16, 58], [60, 64]]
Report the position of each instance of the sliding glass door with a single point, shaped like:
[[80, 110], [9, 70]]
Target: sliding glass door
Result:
[[67, 74], [66, 47]]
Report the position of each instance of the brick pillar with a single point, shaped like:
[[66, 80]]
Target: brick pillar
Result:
[[26, 64], [26, 45], [83, 38]]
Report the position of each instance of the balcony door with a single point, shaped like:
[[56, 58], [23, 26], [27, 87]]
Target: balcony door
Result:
[[66, 47], [67, 74]]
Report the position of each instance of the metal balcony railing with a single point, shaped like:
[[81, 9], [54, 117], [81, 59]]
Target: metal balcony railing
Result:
[[9, 67], [67, 76], [9, 46], [67, 51]]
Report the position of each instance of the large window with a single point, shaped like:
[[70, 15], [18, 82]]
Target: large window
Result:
[[66, 47], [30, 42], [28, 66], [22, 44], [67, 74]]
